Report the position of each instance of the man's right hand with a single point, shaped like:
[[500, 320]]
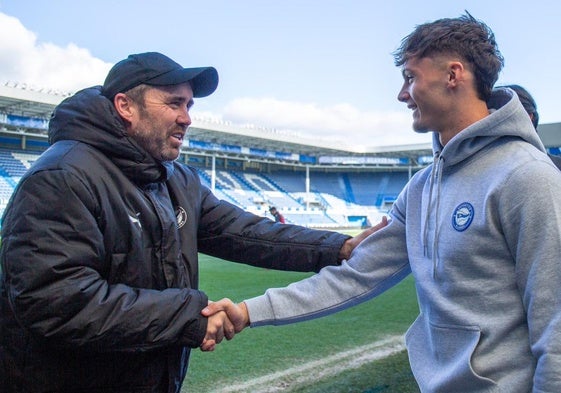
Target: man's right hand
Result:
[[233, 317]]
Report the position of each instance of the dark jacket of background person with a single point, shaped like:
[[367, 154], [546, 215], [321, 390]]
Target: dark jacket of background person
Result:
[[107, 298]]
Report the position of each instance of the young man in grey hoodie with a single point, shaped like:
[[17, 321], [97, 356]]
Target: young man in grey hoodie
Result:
[[479, 229]]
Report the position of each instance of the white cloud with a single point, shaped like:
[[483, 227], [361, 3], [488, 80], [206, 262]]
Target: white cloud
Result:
[[341, 122], [25, 60]]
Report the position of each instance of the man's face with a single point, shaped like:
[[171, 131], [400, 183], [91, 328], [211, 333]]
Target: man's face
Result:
[[425, 92], [160, 125]]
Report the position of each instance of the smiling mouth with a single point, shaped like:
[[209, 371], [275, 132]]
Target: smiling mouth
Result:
[[414, 110], [178, 137]]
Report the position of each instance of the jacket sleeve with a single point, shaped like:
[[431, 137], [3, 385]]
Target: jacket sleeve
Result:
[[53, 261], [532, 208], [228, 232], [377, 264]]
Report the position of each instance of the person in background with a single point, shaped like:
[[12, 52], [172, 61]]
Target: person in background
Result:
[[100, 241], [479, 229], [276, 215], [530, 106]]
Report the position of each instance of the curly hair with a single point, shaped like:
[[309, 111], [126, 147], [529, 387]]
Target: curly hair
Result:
[[470, 39]]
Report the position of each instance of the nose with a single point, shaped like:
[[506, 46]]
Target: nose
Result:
[[403, 95], [184, 117]]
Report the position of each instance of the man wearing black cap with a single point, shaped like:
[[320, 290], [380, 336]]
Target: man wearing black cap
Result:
[[100, 241]]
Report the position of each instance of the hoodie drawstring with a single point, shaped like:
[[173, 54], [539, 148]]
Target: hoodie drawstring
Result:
[[436, 177], [435, 258]]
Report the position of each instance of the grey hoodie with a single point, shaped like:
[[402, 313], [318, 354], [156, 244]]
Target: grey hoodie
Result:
[[480, 231]]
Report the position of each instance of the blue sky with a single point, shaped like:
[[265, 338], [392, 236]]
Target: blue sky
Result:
[[317, 68]]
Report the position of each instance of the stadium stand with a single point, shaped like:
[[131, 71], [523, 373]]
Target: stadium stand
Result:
[[312, 183]]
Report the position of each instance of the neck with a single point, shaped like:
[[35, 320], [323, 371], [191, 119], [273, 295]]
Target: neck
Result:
[[466, 116]]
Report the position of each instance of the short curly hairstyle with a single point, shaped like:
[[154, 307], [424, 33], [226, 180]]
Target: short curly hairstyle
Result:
[[470, 39]]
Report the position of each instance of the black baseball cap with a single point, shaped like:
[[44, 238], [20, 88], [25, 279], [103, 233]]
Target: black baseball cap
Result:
[[155, 69]]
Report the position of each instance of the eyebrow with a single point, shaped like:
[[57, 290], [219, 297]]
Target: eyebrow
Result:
[[179, 97], [405, 70]]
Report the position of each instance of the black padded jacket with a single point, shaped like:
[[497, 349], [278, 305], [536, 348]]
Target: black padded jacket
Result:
[[99, 259]]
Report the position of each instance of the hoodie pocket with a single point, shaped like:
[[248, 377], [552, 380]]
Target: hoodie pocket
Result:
[[441, 357]]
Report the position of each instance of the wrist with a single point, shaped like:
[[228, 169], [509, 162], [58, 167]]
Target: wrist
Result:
[[243, 307], [345, 251]]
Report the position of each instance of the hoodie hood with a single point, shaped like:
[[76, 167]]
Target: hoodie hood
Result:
[[507, 118], [90, 118]]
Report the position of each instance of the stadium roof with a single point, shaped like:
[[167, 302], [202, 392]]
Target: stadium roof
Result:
[[261, 138], [22, 100], [18, 99]]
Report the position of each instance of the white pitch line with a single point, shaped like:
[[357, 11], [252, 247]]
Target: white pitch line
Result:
[[317, 369]]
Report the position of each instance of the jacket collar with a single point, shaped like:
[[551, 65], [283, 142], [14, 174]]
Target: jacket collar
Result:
[[89, 117]]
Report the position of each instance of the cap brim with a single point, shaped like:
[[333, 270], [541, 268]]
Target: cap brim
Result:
[[204, 80]]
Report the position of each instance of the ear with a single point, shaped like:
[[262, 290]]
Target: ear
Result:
[[124, 106], [456, 73]]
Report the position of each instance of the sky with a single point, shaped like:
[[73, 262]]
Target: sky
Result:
[[315, 69]]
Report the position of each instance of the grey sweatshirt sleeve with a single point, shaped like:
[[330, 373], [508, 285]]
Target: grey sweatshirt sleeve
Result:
[[534, 211], [336, 288]]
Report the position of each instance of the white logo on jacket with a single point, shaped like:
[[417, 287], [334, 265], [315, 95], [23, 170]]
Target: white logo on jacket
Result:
[[181, 216], [135, 221]]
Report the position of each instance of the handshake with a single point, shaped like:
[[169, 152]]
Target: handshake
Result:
[[225, 319]]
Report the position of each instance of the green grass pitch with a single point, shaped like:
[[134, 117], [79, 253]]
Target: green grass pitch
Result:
[[260, 351]]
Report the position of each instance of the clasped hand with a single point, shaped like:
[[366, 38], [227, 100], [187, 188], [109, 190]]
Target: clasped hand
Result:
[[225, 319]]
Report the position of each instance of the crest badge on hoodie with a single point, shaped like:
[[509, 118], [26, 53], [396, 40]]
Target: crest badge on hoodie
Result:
[[462, 217]]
